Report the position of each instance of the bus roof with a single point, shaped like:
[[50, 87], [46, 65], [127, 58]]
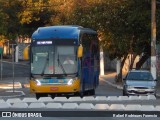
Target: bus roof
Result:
[[60, 32]]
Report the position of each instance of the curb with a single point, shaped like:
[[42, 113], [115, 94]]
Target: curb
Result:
[[117, 86], [113, 85]]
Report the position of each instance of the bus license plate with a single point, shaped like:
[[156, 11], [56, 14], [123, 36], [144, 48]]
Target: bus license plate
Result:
[[54, 88]]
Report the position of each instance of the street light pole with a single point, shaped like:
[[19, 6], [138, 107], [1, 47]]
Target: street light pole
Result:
[[13, 66], [153, 38]]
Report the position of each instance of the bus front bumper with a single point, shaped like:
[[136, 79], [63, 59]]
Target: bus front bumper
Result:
[[55, 88]]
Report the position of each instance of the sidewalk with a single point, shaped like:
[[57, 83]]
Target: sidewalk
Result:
[[11, 93], [6, 85], [109, 78]]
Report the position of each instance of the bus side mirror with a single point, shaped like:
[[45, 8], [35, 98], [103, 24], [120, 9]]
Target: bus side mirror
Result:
[[26, 53], [80, 51]]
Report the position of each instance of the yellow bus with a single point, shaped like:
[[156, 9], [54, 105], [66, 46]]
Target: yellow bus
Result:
[[64, 60]]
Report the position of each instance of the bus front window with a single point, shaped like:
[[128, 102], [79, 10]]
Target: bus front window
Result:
[[42, 60], [65, 60]]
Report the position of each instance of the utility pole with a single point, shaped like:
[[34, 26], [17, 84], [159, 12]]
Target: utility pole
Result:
[[101, 62], [1, 52], [13, 66], [153, 39]]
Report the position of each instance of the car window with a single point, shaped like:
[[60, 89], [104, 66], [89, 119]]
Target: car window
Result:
[[139, 76]]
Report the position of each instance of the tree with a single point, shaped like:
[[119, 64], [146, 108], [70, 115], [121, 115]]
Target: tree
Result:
[[125, 26], [22, 17], [34, 14]]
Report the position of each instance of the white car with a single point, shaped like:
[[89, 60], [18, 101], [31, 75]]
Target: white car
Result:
[[139, 82]]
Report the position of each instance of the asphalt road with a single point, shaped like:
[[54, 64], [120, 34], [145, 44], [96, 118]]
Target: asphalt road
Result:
[[106, 90], [20, 70]]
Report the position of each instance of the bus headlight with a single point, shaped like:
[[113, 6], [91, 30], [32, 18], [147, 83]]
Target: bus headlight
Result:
[[70, 82], [38, 82]]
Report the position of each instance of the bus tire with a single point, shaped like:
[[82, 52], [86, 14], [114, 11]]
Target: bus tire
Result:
[[53, 96], [38, 95], [124, 93], [76, 94], [81, 94], [92, 92]]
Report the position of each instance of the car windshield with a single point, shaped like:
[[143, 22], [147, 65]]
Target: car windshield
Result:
[[139, 76]]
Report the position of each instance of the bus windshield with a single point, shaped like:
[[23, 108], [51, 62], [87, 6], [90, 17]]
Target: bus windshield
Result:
[[53, 60], [65, 60], [42, 60]]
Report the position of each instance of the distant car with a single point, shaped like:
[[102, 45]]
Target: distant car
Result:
[[139, 82]]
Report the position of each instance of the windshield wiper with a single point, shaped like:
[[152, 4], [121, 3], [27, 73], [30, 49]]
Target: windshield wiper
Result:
[[46, 62], [59, 62]]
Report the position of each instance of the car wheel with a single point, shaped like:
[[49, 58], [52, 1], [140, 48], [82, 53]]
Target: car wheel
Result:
[[155, 94], [124, 93]]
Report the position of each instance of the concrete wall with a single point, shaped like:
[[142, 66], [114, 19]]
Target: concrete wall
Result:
[[109, 65]]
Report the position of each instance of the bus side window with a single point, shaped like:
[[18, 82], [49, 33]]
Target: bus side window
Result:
[[86, 42]]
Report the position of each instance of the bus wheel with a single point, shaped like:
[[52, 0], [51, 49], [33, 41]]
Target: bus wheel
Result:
[[92, 92], [76, 94], [87, 93], [53, 96], [67, 96], [38, 95], [81, 94]]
